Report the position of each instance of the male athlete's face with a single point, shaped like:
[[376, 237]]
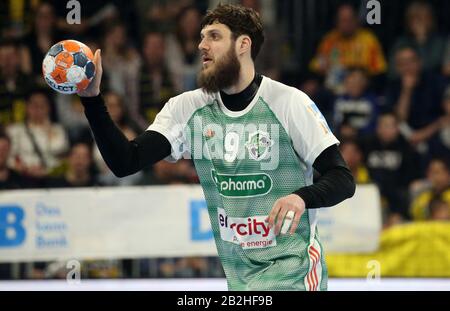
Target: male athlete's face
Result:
[[220, 64]]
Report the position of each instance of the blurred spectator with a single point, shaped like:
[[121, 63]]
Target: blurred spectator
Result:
[[119, 59], [348, 45], [438, 177], [268, 61], [42, 36], [71, 116], [9, 178], [358, 106], [391, 164], [116, 109], [420, 34], [436, 134], [182, 55], [159, 15], [79, 169], [347, 131], [156, 84], [415, 96], [353, 155], [163, 171], [37, 143], [15, 85]]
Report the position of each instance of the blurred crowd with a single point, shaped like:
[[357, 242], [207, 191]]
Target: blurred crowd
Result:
[[388, 105]]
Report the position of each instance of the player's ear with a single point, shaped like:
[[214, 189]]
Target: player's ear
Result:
[[244, 44]]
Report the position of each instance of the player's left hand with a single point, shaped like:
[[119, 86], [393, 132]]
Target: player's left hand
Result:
[[291, 208]]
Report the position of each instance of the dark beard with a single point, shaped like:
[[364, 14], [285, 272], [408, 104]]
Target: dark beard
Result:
[[224, 75]]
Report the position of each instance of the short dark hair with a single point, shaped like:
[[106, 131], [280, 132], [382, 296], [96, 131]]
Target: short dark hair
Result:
[[240, 20]]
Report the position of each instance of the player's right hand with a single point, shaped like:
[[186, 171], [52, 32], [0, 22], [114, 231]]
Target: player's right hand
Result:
[[94, 87]]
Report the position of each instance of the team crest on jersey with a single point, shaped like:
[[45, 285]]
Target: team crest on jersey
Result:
[[258, 145]]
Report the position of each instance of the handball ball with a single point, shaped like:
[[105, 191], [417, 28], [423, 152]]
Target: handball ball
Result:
[[68, 67]]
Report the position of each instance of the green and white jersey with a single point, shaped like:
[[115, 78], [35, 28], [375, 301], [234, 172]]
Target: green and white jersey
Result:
[[247, 160]]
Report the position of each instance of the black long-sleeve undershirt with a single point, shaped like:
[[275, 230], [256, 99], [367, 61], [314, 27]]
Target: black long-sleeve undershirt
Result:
[[122, 156], [126, 157], [335, 184]]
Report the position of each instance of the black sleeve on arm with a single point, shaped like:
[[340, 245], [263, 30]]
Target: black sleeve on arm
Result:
[[335, 184], [122, 156]]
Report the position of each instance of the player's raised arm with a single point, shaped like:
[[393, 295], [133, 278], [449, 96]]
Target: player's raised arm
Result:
[[122, 156]]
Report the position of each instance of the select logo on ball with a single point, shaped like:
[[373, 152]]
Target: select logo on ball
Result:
[[61, 88]]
